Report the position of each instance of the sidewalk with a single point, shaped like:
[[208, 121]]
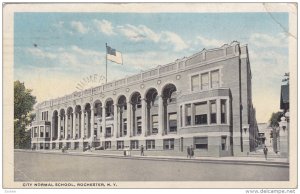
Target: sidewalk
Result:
[[250, 160]]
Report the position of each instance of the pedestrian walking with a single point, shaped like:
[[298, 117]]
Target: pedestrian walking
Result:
[[142, 150], [266, 152], [192, 152], [188, 150]]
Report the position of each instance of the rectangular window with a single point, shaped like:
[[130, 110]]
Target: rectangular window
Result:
[[134, 144], [120, 145], [108, 131], [223, 111], [168, 144], [107, 145], [201, 143], [213, 112], [204, 81], [35, 132], [47, 133], [125, 126], [173, 122], [195, 82], [41, 131], [154, 124], [215, 79], [223, 142], [139, 125], [188, 114], [45, 116], [180, 116], [150, 144], [201, 111]]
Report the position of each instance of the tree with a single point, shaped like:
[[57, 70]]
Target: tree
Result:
[[274, 124], [275, 119], [23, 105]]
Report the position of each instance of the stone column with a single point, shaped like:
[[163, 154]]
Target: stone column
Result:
[[178, 118], [82, 125], [192, 114], [92, 124], [66, 126], [227, 112], [160, 115], [50, 128], [98, 127], [144, 117], [218, 104], [209, 80], [209, 112], [39, 131], [116, 116], [183, 116], [129, 127], [74, 124], [103, 122], [58, 127]]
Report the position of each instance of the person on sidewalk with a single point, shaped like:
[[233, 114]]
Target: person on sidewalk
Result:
[[142, 150], [188, 150], [266, 152], [192, 152]]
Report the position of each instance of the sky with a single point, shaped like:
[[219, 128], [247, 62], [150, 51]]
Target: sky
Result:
[[55, 52]]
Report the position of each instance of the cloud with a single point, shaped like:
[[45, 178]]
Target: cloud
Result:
[[209, 42], [174, 39], [79, 27], [266, 40], [86, 52], [138, 33], [37, 52], [105, 27], [143, 33]]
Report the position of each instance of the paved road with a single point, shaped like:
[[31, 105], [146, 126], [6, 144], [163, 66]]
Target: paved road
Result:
[[30, 166]]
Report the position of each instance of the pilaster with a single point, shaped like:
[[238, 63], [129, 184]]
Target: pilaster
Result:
[[160, 115], [144, 117], [116, 116], [103, 122], [129, 127]]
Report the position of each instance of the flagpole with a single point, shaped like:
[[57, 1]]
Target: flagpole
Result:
[[106, 63]]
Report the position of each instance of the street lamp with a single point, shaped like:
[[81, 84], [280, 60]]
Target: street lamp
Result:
[[284, 135], [245, 127], [95, 136], [283, 123]]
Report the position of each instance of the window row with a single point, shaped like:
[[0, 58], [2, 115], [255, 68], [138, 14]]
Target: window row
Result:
[[201, 143], [41, 131], [168, 144], [203, 113], [45, 116], [205, 81]]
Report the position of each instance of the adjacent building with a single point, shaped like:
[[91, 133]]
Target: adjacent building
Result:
[[204, 101]]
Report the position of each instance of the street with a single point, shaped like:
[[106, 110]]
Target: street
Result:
[[31, 166]]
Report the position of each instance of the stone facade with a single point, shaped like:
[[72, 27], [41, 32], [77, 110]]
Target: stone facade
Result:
[[203, 101]]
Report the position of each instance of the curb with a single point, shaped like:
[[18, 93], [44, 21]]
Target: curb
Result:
[[194, 160]]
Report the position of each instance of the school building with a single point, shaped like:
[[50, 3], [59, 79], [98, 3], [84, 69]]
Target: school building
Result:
[[204, 101]]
